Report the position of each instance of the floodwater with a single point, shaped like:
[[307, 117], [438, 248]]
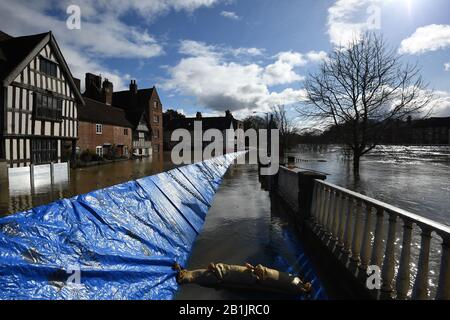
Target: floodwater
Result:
[[17, 195], [416, 179], [413, 178], [243, 225]]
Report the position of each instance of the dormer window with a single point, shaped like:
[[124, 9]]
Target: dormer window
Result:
[[47, 66]]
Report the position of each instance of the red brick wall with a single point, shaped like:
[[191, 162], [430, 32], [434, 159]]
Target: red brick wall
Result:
[[114, 135], [156, 126]]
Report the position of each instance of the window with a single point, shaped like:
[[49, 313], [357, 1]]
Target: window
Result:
[[155, 119], [99, 151], [98, 128], [125, 132], [155, 104], [156, 148], [48, 67], [156, 134], [44, 151], [125, 150], [47, 107]]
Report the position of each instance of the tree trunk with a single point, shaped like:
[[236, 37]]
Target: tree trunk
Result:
[[356, 160]]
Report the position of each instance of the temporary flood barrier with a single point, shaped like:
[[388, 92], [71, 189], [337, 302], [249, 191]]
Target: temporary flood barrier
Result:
[[115, 243]]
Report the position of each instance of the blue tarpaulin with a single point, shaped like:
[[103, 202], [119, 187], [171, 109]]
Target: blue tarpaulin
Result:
[[115, 243]]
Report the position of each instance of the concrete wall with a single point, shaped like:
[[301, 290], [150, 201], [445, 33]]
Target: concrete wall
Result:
[[288, 186]]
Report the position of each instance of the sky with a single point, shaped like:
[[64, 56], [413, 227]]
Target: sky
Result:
[[242, 55]]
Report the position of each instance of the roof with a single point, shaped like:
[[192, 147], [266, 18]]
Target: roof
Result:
[[14, 50], [432, 122], [4, 36], [221, 123], [98, 112], [134, 110]]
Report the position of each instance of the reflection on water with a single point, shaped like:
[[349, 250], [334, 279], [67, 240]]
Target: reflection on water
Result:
[[16, 195]]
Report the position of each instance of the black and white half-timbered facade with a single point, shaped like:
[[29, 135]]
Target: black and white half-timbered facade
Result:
[[38, 102]]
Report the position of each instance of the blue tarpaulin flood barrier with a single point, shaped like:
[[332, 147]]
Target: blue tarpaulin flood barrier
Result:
[[115, 243]]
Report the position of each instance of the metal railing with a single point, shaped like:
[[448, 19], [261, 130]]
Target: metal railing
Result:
[[355, 225]]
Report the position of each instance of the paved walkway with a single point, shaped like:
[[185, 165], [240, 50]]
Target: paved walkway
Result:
[[244, 225]]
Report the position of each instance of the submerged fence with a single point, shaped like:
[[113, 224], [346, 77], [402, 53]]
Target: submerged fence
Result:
[[115, 243], [364, 231]]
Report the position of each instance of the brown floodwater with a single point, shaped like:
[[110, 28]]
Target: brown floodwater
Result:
[[17, 195]]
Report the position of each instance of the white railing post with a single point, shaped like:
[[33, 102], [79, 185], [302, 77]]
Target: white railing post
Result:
[[332, 210], [336, 220], [388, 269], [403, 276], [377, 252], [342, 220], [326, 214], [357, 239], [314, 205], [443, 291], [348, 228], [420, 289], [320, 212], [366, 246]]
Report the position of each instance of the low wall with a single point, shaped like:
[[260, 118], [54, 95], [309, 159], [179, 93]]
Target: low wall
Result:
[[295, 187]]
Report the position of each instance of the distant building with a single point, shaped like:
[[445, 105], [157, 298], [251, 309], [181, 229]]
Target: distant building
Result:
[[38, 102], [146, 105], [103, 128], [220, 123], [431, 131]]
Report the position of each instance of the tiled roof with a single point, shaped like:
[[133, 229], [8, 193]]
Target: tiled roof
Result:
[[98, 112], [14, 50]]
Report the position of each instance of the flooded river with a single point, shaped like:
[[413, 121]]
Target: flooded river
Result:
[[416, 179], [17, 195]]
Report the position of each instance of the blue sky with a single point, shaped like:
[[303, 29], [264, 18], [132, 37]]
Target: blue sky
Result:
[[244, 55]]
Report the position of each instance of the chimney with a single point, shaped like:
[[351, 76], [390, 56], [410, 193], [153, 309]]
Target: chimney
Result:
[[107, 92], [93, 85], [77, 83], [198, 116], [133, 86]]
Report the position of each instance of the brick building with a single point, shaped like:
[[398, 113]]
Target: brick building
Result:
[[145, 102], [219, 123], [103, 128]]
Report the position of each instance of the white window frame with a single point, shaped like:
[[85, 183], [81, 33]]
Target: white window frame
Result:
[[97, 127], [155, 119], [99, 151]]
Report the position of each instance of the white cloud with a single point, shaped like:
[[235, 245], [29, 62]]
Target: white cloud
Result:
[[440, 104], [282, 70], [230, 15], [429, 38], [103, 34], [342, 27], [447, 66], [219, 83]]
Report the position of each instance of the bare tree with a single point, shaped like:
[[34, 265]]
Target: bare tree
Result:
[[285, 125], [363, 89]]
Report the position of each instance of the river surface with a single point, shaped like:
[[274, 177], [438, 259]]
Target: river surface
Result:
[[416, 179], [17, 195]]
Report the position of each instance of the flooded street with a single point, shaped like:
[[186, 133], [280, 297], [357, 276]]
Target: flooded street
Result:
[[243, 225], [17, 195]]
